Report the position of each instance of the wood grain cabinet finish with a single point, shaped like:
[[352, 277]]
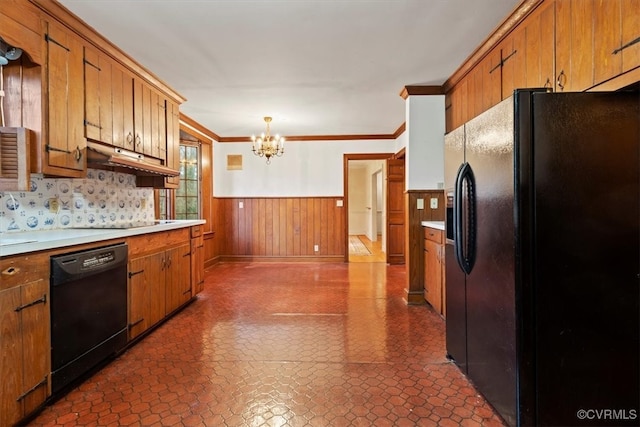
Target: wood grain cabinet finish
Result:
[[24, 337], [434, 268], [147, 305], [98, 97], [197, 260], [159, 277], [177, 277], [64, 144]]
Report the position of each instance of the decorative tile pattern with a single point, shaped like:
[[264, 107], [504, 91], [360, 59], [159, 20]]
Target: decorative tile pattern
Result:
[[285, 345], [102, 199]]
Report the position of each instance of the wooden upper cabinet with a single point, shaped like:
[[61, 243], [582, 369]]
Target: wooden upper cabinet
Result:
[[574, 45], [173, 142], [608, 30], [98, 84], [513, 49], [491, 67], [64, 144], [630, 42], [539, 28]]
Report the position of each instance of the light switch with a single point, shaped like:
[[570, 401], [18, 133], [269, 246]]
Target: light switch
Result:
[[241, 205], [339, 203], [434, 203], [420, 204]]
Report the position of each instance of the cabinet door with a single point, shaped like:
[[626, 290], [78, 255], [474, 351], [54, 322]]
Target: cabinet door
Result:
[[608, 34], [65, 146], [433, 275], [146, 292], [35, 319], [513, 50], [178, 280], [630, 34], [173, 142], [159, 127], [197, 265], [11, 385], [98, 113], [574, 45]]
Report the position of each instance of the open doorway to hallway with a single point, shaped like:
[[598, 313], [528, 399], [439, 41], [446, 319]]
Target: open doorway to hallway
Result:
[[366, 217]]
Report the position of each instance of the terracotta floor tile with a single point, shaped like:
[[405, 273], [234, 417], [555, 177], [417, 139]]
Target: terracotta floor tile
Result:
[[286, 344]]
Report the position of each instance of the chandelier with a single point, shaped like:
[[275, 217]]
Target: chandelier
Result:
[[267, 146]]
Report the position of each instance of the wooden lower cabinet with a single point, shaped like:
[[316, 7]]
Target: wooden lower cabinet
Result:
[[197, 260], [159, 283], [178, 277], [146, 292], [434, 269], [24, 338]]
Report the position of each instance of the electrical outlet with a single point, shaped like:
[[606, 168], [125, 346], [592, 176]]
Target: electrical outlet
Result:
[[420, 204], [339, 203], [143, 203], [241, 205], [434, 203], [54, 205], [316, 248]]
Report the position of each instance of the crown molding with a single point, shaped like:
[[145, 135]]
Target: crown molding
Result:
[[189, 122], [411, 90]]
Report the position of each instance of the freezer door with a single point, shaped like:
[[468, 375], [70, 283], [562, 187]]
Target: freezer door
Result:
[[490, 289], [587, 258]]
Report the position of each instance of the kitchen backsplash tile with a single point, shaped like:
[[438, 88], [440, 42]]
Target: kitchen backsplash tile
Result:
[[102, 199]]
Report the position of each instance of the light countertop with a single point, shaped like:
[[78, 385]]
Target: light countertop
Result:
[[14, 243], [438, 225]]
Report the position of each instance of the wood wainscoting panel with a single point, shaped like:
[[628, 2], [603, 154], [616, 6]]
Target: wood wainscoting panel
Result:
[[415, 238], [281, 227]]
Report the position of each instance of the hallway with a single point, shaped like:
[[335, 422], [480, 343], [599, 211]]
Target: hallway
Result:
[[286, 344]]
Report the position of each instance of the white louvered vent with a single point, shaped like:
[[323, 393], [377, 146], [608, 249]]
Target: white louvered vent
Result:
[[14, 158]]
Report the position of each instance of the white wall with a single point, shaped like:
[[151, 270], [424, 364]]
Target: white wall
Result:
[[425, 142], [307, 168]]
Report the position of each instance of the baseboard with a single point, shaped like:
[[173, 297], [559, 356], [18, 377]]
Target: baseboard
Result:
[[251, 258], [414, 297]]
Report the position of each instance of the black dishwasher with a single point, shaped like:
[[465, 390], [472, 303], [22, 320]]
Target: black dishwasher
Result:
[[88, 311]]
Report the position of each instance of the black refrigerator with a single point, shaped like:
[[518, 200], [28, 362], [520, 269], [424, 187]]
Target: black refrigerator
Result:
[[543, 257]]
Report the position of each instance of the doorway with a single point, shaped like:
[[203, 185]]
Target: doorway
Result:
[[365, 207]]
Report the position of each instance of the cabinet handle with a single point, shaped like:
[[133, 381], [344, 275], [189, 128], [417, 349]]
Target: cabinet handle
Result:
[[32, 389], [77, 154], [562, 80], [187, 291], [187, 254], [168, 262], [548, 86], [133, 273], [130, 138], [138, 140], [42, 300]]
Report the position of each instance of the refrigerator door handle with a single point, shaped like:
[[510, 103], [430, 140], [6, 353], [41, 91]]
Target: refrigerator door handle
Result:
[[465, 231]]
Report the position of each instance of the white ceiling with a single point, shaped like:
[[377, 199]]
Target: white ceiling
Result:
[[319, 67]]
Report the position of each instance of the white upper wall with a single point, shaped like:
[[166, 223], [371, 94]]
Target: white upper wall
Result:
[[425, 142], [307, 168]]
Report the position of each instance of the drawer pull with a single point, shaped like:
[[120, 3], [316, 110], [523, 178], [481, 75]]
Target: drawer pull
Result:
[[42, 300], [11, 271], [133, 273], [32, 389]]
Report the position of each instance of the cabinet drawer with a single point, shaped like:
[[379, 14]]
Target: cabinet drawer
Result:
[[433, 234], [196, 231], [21, 269]]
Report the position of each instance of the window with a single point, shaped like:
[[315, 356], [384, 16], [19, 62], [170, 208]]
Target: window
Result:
[[188, 193]]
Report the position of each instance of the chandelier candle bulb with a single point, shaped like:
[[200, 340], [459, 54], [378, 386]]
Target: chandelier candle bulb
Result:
[[268, 146]]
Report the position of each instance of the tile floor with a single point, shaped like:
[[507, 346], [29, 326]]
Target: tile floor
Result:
[[286, 344]]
